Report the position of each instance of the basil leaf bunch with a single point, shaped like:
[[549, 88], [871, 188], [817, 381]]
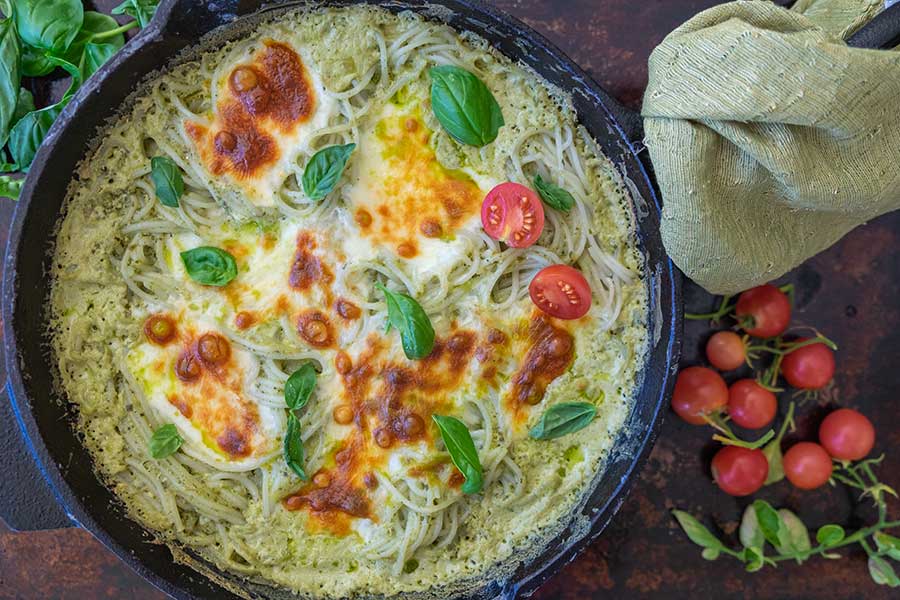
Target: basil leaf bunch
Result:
[[553, 195], [209, 265], [36, 38], [462, 451], [464, 106], [324, 170], [165, 441], [297, 390], [563, 418], [409, 318], [167, 180]]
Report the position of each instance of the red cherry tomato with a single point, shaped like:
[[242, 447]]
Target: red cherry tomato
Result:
[[766, 309], [725, 350], [807, 465], [739, 471], [512, 213], [751, 405], [561, 291], [809, 367], [699, 391], [847, 434]]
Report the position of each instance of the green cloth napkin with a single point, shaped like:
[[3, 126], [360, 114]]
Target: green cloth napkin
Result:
[[770, 137]]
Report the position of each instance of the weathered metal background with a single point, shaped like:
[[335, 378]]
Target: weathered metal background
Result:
[[850, 292]]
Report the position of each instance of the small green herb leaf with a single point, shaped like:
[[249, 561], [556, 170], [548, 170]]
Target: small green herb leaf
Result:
[[35, 62], [9, 187], [563, 418], [49, 24], [299, 387], [750, 534], [753, 557], [209, 265], [293, 447], [27, 135], [829, 535], [140, 10], [165, 441], [772, 452], [24, 105], [794, 535], [553, 195], [882, 572], [888, 544], [97, 28], [408, 317], [167, 180], [464, 106], [324, 169], [462, 451], [95, 55], [696, 531], [769, 521]]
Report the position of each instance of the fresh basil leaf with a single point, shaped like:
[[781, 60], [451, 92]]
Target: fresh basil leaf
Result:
[[408, 317], [696, 531], [553, 195], [793, 535], [28, 134], [563, 418], [324, 169], [165, 441], [769, 521], [882, 572], [94, 57], [888, 544], [167, 180], [299, 387], [141, 10], [210, 265], [829, 535], [24, 105], [49, 24], [293, 447], [465, 107], [462, 451], [35, 62], [10, 77], [749, 533], [772, 452], [9, 187]]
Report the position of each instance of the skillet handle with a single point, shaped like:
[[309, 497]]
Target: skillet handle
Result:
[[27, 502]]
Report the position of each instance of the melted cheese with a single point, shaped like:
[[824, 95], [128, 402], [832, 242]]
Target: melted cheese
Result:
[[221, 423], [269, 105]]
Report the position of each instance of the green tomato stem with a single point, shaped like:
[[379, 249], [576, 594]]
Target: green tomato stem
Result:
[[724, 309]]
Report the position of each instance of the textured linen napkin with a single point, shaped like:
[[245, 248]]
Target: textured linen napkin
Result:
[[770, 137]]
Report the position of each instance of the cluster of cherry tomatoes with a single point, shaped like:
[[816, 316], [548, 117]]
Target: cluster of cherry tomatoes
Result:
[[702, 397]]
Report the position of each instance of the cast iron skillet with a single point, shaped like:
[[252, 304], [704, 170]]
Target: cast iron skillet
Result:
[[48, 480]]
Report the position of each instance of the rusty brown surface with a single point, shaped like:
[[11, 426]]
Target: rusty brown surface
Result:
[[850, 292]]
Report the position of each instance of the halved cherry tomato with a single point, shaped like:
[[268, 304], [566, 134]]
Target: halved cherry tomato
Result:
[[765, 309], [739, 471], [725, 350], [699, 391], [807, 465], [512, 213], [847, 434], [751, 405], [561, 291], [809, 367]]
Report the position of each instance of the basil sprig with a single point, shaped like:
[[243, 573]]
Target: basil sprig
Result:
[[167, 180], [408, 317], [209, 265], [297, 390], [562, 419], [324, 170], [553, 195], [462, 451], [140, 10], [165, 441], [465, 106]]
